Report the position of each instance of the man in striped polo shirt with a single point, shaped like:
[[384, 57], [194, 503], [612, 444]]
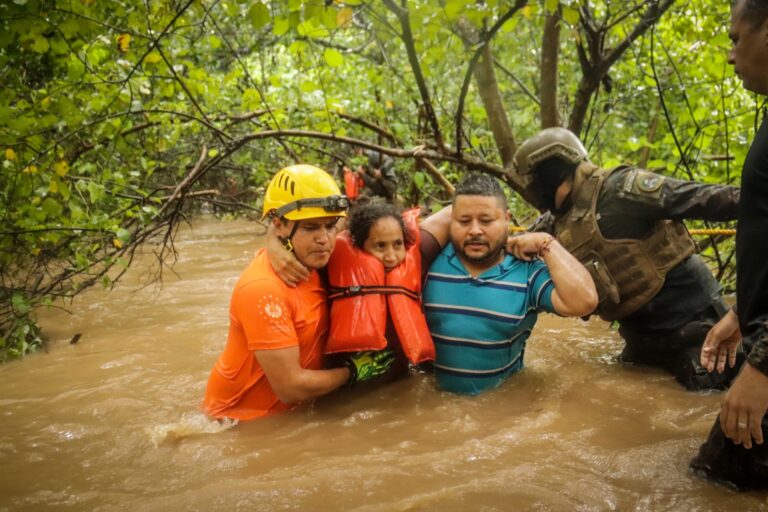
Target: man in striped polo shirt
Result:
[[481, 303]]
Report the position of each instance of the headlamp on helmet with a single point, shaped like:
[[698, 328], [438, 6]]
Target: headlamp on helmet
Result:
[[301, 192], [331, 204]]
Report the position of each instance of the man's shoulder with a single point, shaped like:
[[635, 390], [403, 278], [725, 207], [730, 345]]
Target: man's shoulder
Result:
[[441, 260], [516, 270], [617, 177], [259, 278], [634, 184]]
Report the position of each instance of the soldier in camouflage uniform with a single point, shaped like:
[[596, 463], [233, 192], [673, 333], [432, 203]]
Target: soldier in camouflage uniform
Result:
[[625, 225]]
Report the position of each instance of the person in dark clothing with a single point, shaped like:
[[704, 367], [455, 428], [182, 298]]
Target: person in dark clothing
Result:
[[625, 225], [729, 455], [378, 176]]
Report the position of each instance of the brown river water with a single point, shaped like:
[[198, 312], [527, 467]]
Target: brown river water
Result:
[[113, 422]]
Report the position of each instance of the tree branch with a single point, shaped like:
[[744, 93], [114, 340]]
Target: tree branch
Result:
[[410, 47], [596, 63], [550, 51], [493, 96]]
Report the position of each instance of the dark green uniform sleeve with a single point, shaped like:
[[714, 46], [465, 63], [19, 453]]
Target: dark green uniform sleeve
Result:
[[657, 196]]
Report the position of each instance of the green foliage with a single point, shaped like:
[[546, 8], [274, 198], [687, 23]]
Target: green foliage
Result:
[[117, 118]]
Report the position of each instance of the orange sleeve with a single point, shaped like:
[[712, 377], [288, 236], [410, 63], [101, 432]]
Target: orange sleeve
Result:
[[263, 309]]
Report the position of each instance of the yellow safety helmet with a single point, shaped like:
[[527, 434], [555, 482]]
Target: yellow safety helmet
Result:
[[302, 192]]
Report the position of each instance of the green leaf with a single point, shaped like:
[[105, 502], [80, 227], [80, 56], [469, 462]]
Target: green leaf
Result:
[[570, 15], [309, 86], [259, 15], [453, 8], [123, 235], [20, 304], [251, 99], [309, 29], [281, 26], [297, 48], [551, 5], [6, 38], [328, 18], [333, 57], [419, 179], [40, 44], [95, 192], [51, 207], [75, 69]]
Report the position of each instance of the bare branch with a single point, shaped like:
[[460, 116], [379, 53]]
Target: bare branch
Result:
[[597, 61], [186, 182], [550, 51], [371, 126], [410, 47], [489, 79]]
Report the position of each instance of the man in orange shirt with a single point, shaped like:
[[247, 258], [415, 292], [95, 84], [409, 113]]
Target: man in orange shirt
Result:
[[273, 356]]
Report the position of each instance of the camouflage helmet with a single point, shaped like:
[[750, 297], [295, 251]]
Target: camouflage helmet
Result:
[[548, 143]]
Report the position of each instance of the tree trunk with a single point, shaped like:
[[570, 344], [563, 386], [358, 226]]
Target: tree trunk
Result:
[[587, 87], [550, 52], [645, 154], [488, 89]]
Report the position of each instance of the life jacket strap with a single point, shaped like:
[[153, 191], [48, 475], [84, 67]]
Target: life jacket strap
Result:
[[354, 291]]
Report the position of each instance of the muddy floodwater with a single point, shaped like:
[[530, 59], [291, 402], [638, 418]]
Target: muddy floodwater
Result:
[[113, 422]]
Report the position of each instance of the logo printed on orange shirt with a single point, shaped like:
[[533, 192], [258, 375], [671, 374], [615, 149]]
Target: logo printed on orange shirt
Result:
[[271, 306]]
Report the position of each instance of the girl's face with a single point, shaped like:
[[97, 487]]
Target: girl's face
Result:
[[385, 241]]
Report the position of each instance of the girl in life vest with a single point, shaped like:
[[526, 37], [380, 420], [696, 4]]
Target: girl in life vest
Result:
[[375, 287]]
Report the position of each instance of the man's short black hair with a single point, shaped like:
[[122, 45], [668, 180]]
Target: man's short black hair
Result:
[[755, 11], [478, 184]]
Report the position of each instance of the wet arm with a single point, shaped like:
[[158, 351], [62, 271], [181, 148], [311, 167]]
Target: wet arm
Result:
[[575, 293], [438, 225], [291, 382]]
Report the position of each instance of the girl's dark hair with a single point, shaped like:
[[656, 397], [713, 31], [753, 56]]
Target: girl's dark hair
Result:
[[362, 217]]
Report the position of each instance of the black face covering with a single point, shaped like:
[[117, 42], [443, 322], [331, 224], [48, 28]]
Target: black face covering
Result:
[[547, 177], [567, 203]]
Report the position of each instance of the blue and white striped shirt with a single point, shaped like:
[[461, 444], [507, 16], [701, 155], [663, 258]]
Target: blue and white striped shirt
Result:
[[480, 324]]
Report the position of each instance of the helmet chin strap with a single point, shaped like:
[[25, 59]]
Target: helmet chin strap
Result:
[[286, 241]]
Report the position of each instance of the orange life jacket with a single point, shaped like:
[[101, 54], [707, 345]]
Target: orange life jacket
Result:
[[362, 293], [352, 184]]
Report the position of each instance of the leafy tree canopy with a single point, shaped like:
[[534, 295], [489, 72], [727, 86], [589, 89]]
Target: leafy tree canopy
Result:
[[117, 118]]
